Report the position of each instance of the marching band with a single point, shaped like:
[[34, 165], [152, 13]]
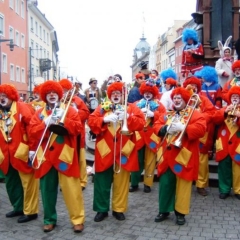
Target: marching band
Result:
[[43, 143]]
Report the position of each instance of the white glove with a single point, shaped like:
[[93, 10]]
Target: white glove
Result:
[[150, 114], [31, 155], [177, 126], [57, 113], [120, 115], [49, 120], [111, 118], [144, 110]]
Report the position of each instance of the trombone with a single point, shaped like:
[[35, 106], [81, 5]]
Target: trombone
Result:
[[191, 104], [231, 114], [124, 131], [39, 144], [59, 128]]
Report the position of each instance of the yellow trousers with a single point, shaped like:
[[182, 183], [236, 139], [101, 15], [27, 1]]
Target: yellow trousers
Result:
[[83, 168], [203, 172], [120, 190], [149, 167], [183, 195], [72, 195], [236, 177], [31, 193]]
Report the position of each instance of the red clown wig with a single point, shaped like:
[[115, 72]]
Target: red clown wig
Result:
[[235, 65], [116, 86], [50, 86], [37, 89], [193, 80], [138, 75], [183, 92], [148, 88], [10, 91], [233, 90], [171, 81], [66, 84]]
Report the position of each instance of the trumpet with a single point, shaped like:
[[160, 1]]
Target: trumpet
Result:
[[231, 114]]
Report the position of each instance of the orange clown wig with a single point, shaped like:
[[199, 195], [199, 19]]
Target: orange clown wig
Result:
[[233, 90], [193, 80], [50, 86], [116, 86], [66, 84], [10, 91], [185, 94], [145, 87]]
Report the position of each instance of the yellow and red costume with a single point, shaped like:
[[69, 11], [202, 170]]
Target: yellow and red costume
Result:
[[124, 157], [21, 185], [179, 165], [227, 148], [60, 162]]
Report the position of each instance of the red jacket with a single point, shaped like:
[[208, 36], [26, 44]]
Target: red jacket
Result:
[[61, 152], [16, 151], [227, 142], [183, 161], [109, 139]]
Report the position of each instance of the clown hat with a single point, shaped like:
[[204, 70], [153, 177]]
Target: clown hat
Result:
[[171, 81], [233, 90], [235, 65]]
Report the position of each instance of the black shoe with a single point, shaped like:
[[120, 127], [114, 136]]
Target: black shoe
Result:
[[27, 218], [223, 195], [100, 216], [14, 214], [118, 215], [83, 188], [202, 191], [133, 188], [146, 189], [161, 217], [237, 196], [180, 219]]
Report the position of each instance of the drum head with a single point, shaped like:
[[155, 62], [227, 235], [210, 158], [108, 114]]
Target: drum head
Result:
[[93, 103]]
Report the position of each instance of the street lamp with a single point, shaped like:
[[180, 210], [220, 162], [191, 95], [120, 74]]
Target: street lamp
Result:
[[11, 46]]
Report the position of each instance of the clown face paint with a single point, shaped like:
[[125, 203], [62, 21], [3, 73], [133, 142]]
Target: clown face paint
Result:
[[235, 99], [52, 98], [237, 72], [37, 96], [4, 100], [148, 96], [116, 97], [178, 102]]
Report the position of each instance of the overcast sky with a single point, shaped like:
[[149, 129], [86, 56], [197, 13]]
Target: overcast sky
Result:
[[97, 37]]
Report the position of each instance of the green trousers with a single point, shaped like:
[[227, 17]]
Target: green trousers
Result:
[[225, 175], [14, 189], [2, 176]]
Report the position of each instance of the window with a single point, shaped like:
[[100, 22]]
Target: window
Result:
[[11, 33], [32, 47], [4, 63], [22, 9], [40, 52], [1, 24], [22, 41], [47, 39], [48, 54], [32, 72], [23, 75], [44, 35], [17, 6], [31, 23], [11, 72], [11, 4], [44, 53], [17, 74], [36, 51], [40, 32], [36, 28], [37, 72], [17, 38]]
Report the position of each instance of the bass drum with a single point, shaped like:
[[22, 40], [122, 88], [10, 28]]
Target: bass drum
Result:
[[93, 104]]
